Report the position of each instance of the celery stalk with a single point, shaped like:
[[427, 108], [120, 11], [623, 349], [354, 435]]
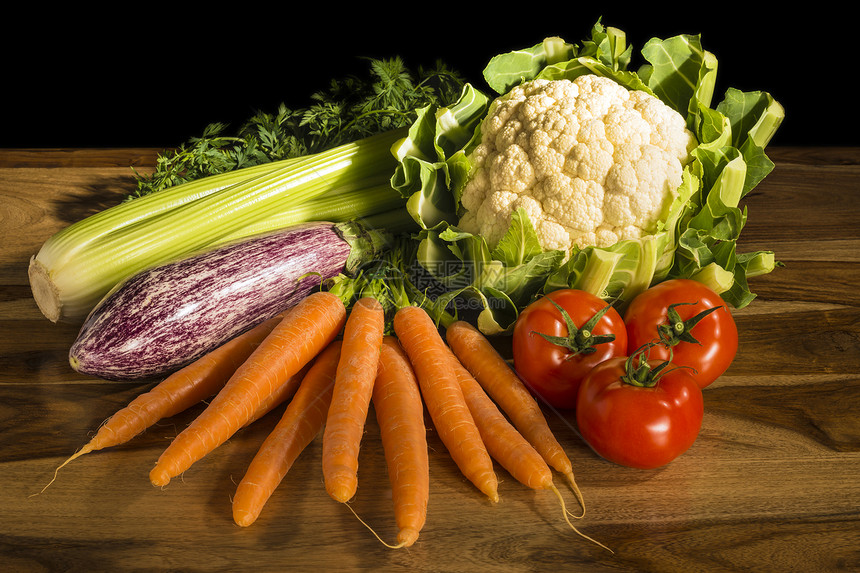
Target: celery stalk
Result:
[[63, 245], [336, 207], [77, 266]]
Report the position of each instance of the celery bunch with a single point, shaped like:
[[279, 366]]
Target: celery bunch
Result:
[[331, 161]]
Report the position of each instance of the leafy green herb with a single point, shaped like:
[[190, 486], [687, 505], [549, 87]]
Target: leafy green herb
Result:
[[347, 110]]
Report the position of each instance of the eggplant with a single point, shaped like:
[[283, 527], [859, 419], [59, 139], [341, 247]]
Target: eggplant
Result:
[[167, 316]]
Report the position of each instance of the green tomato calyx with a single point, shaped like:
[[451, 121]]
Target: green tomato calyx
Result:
[[639, 372], [579, 340], [676, 330]]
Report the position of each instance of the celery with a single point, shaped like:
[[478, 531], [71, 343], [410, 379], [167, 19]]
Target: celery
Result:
[[64, 244], [77, 266], [336, 207]]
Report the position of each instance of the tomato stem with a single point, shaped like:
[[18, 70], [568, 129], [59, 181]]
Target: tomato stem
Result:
[[676, 329], [639, 372], [579, 340]]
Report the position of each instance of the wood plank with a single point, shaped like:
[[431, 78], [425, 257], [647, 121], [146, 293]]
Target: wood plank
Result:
[[83, 157], [36, 202], [770, 485]]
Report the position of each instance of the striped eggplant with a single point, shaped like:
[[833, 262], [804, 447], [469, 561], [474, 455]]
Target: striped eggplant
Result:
[[169, 315]]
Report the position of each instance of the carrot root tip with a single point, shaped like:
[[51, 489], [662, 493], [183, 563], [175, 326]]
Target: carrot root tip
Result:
[[490, 488], [84, 450], [244, 519], [576, 491], [160, 475], [159, 479], [406, 537], [401, 542], [340, 493], [572, 526]]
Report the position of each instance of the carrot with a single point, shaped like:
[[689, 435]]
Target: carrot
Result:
[[503, 385], [282, 394], [300, 424], [177, 392], [505, 444], [430, 358], [353, 387], [400, 413], [310, 326]]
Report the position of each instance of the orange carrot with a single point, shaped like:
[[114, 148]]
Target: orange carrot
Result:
[[310, 326], [503, 385], [430, 358], [400, 413], [179, 391], [353, 387], [282, 394], [301, 423], [505, 444]]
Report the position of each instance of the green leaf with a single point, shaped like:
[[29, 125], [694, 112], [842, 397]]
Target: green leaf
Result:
[[608, 45], [420, 141], [433, 163], [584, 65], [754, 118], [616, 273], [748, 265], [520, 243], [507, 70], [432, 204], [753, 115], [498, 281], [456, 125], [720, 216], [675, 69], [758, 165], [693, 253]]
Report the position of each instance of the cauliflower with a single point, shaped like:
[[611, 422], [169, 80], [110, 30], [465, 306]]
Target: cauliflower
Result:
[[588, 160]]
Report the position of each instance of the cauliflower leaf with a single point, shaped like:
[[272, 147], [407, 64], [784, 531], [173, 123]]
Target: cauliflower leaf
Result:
[[584, 172]]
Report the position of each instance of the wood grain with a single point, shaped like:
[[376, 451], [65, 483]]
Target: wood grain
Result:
[[770, 485]]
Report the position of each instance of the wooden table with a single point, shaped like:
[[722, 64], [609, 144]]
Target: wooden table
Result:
[[772, 484]]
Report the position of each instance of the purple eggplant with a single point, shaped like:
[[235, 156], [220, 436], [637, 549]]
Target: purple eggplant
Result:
[[167, 316]]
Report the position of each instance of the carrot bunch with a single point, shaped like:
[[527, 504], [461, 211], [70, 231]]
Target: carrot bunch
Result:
[[330, 365]]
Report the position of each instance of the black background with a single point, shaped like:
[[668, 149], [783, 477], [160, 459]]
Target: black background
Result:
[[155, 79]]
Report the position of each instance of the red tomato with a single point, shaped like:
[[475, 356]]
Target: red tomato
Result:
[[553, 369], [639, 426], [708, 346]]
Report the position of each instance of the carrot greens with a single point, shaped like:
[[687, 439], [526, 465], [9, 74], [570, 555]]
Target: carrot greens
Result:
[[346, 110]]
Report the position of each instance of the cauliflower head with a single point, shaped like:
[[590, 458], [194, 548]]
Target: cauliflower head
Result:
[[588, 160]]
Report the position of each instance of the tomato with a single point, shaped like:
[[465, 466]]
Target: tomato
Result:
[[672, 310], [645, 424], [553, 369]]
